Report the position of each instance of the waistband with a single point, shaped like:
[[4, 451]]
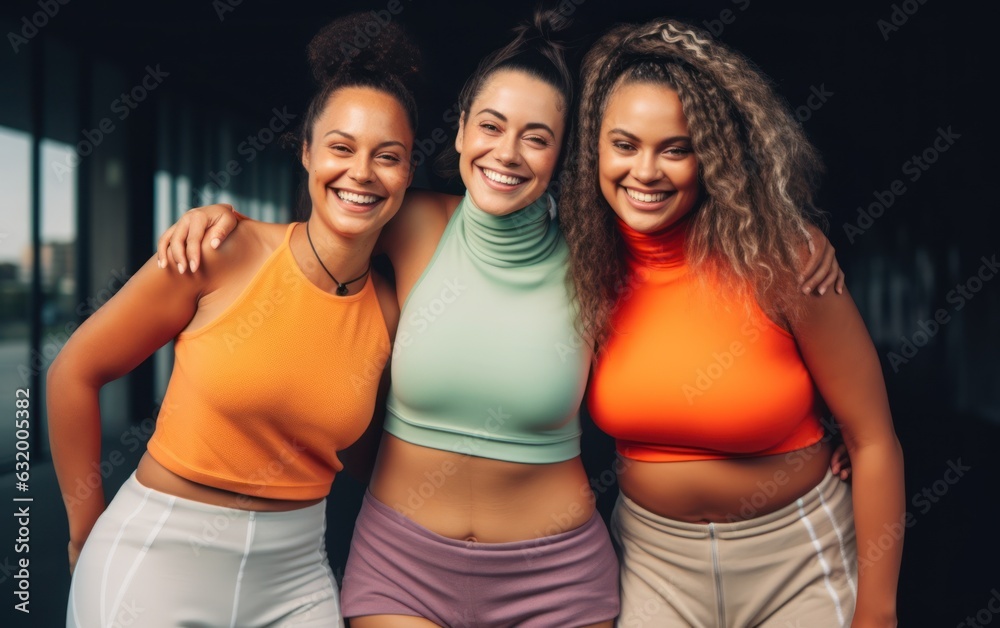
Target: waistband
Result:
[[829, 490], [314, 513], [385, 511]]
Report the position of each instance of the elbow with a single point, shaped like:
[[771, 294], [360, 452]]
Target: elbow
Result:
[[69, 376], [885, 446], [60, 373], [54, 376]]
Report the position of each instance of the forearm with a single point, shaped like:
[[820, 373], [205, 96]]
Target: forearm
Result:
[[75, 436], [879, 511]]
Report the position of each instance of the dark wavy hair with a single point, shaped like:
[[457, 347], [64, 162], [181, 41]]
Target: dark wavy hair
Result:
[[534, 51], [757, 171], [390, 63]]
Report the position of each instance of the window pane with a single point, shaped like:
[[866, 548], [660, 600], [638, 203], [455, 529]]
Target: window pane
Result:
[[15, 276]]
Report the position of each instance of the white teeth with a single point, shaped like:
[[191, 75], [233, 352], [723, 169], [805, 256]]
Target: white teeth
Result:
[[502, 178], [646, 198], [351, 197]]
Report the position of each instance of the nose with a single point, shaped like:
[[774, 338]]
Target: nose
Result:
[[507, 151], [361, 170], [644, 167]]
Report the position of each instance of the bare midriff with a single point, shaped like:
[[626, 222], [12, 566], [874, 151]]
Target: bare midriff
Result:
[[733, 489], [154, 475], [480, 499]]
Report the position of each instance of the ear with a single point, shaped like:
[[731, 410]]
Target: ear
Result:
[[305, 156], [461, 132]]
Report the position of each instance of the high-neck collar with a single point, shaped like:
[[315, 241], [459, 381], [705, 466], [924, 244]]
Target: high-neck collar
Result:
[[523, 237], [659, 249]]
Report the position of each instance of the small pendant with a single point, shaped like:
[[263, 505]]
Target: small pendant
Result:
[[341, 290]]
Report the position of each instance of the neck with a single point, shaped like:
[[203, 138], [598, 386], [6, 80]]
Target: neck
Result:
[[515, 239], [663, 248], [345, 257]]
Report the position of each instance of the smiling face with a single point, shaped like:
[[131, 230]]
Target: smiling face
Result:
[[358, 160], [509, 141], [647, 169]]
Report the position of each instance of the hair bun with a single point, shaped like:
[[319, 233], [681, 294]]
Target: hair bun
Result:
[[364, 43], [544, 25]]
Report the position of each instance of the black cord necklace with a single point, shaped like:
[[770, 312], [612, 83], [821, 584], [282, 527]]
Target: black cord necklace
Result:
[[341, 286]]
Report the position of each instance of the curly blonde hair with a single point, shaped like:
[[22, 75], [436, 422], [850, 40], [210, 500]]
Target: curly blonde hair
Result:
[[757, 171]]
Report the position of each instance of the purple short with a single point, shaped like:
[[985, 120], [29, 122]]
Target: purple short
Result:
[[397, 567]]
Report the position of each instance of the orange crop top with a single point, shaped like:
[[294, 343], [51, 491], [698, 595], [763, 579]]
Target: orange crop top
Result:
[[688, 374], [261, 398]]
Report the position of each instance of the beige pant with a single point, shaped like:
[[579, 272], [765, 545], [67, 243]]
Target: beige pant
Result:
[[793, 568]]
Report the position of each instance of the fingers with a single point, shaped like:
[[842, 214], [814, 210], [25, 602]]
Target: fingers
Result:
[[176, 247], [822, 272], [832, 270], [840, 463], [196, 233], [218, 235], [807, 274], [161, 247], [221, 225], [181, 243], [841, 282]]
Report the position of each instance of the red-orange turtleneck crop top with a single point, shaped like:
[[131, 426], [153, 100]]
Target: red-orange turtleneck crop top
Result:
[[688, 373]]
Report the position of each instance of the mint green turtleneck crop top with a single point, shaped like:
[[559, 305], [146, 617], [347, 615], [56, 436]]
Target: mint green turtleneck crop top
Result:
[[487, 360]]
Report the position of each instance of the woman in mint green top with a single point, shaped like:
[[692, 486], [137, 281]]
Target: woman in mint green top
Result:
[[490, 276], [479, 511]]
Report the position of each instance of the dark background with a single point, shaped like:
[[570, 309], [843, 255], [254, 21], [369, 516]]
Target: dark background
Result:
[[888, 94]]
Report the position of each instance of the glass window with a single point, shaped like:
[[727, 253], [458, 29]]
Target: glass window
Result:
[[15, 278], [16, 358]]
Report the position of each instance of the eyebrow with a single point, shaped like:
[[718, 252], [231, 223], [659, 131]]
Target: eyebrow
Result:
[[354, 139], [635, 138], [529, 126]]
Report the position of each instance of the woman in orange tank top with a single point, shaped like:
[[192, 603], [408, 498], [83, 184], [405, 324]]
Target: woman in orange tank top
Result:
[[685, 218], [223, 521]]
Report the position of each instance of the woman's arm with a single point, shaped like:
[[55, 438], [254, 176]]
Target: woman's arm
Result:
[[150, 310], [843, 362], [408, 240], [411, 237]]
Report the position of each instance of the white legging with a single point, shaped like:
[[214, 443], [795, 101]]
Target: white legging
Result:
[[156, 560]]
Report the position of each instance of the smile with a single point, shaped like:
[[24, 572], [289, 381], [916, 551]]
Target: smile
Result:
[[646, 198], [358, 199], [495, 176]]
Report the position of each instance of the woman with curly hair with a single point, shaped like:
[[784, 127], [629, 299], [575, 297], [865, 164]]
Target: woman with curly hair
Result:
[[685, 217], [223, 521]]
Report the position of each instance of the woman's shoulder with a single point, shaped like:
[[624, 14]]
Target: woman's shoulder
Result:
[[421, 206], [422, 217], [268, 235], [246, 247]]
